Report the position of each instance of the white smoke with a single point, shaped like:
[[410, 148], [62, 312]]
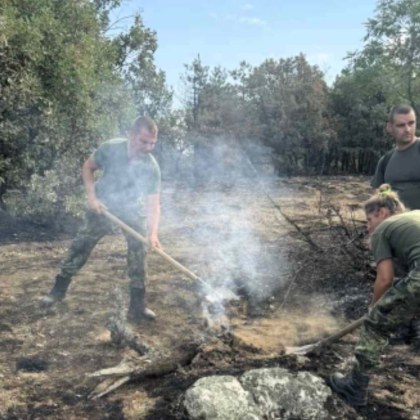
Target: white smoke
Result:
[[225, 232]]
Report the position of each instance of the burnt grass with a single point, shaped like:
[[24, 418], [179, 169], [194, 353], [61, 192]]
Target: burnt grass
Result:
[[46, 354]]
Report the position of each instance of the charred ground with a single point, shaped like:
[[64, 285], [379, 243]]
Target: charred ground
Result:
[[45, 355]]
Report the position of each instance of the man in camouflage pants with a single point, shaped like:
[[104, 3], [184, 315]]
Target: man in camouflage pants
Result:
[[395, 234], [129, 188]]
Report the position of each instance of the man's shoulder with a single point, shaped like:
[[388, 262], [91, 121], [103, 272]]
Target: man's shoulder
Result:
[[116, 141], [378, 178], [112, 150], [412, 149], [387, 156], [113, 147], [394, 155]]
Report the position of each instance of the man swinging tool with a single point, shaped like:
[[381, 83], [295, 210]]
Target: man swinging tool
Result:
[[394, 234], [130, 188]]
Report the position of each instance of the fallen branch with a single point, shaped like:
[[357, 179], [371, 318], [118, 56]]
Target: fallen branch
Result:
[[114, 385], [154, 364], [122, 335]]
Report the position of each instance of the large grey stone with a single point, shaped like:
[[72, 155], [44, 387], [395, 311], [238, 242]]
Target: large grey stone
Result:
[[219, 398], [281, 394]]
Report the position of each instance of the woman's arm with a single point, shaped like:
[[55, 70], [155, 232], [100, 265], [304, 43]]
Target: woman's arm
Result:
[[384, 278]]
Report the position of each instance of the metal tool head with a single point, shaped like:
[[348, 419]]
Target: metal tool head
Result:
[[302, 350]]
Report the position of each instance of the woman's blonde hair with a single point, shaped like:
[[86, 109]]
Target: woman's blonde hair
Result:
[[384, 198]]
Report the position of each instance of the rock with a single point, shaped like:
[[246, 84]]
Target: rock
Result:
[[272, 393], [284, 395], [219, 398]]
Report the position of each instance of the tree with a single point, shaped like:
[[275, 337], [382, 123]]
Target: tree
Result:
[[393, 40], [290, 110], [360, 100], [136, 50], [382, 74], [65, 86], [195, 79]]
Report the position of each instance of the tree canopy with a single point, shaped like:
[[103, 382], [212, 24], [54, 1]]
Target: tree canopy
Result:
[[67, 84]]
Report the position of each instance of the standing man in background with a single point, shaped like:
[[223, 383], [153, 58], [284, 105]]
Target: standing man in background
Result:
[[400, 167], [129, 187]]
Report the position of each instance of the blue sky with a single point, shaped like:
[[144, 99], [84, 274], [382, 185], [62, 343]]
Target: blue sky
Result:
[[227, 32]]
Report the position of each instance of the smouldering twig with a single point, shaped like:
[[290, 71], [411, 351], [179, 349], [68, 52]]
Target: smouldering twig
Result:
[[307, 237], [289, 288]]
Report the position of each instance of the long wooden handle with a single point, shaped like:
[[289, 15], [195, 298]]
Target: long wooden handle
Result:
[[159, 251], [341, 333], [309, 348]]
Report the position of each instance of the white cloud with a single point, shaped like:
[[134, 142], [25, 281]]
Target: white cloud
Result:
[[244, 20], [247, 6], [253, 21]]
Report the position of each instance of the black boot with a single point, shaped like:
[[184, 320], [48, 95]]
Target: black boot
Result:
[[353, 387], [403, 335], [58, 292], [137, 310]]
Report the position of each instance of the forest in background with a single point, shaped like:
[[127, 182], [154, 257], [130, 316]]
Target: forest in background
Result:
[[66, 85]]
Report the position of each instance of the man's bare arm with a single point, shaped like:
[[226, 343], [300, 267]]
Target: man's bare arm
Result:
[[88, 170], [153, 218]]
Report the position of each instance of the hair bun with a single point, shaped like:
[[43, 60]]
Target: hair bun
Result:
[[385, 189]]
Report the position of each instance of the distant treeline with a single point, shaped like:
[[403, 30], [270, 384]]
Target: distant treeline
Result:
[[69, 79]]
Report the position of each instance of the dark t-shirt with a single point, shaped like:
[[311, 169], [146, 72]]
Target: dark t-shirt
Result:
[[398, 237], [124, 183], [402, 172]]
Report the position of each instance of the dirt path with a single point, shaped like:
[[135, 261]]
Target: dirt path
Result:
[[229, 235]]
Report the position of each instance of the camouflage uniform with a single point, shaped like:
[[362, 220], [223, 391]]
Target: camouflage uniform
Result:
[[395, 238], [399, 304], [122, 188], [94, 228]]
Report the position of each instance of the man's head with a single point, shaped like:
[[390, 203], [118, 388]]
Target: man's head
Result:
[[402, 125], [142, 137]]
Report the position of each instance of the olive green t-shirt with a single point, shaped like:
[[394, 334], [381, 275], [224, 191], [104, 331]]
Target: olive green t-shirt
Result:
[[402, 172], [124, 183], [398, 237]]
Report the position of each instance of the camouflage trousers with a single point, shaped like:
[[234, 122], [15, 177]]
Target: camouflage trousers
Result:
[[95, 227], [399, 304]]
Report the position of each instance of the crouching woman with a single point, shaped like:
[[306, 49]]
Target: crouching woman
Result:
[[394, 236]]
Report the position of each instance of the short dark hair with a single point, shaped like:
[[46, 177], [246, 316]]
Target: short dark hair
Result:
[[144, 122], [399, 109]]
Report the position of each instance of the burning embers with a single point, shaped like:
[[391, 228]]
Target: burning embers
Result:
[[214, 311], [214, 317]]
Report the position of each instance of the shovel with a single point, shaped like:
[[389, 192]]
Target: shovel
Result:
[[310, 348], [212, 294]]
